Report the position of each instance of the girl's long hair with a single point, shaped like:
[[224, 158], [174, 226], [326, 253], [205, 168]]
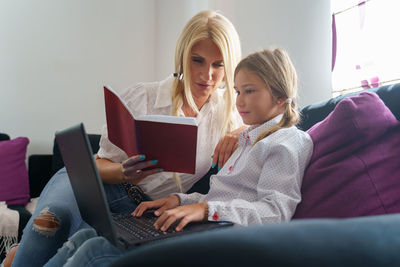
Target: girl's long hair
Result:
[[275, 68]]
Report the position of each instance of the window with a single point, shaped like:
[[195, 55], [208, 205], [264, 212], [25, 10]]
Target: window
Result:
[[367, 39]]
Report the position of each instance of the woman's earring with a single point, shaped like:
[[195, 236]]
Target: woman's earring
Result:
[[178, 75]]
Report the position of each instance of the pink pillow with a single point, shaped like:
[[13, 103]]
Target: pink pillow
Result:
[[14, 181], [355, 166]]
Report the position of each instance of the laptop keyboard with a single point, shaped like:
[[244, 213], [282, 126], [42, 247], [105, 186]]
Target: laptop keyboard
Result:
[[141, 228]]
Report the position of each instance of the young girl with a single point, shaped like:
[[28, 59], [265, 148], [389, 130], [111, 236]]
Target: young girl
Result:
[[261, 180], [259, 183]]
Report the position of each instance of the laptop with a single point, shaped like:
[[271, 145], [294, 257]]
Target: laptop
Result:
[[122, 230]]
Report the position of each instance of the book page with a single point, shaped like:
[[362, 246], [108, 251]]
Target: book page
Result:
[[168, 119]]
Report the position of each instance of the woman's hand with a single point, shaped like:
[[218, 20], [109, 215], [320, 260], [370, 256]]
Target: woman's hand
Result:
[[161, 205], [188, 213], [225, 147], [132, 169]]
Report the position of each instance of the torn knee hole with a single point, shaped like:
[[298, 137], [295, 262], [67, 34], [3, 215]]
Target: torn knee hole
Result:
[[46, 222]]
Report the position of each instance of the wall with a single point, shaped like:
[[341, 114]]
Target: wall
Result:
[[303, 27], [55, 55]]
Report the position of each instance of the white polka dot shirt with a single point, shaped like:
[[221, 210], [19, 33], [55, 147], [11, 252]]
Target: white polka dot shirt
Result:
[[259, 183]]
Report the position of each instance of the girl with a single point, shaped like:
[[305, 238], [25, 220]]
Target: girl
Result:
[[261, 180]]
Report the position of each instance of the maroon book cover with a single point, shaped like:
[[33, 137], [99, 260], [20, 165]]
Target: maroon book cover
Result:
[[169, 139]]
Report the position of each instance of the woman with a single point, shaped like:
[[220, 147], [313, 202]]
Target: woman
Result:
[[207, 52]]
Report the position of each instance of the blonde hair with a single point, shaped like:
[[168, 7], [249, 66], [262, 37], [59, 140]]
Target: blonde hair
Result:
[[217, 28], [276, 70]]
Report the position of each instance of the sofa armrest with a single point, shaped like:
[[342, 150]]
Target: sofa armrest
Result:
[[363, 241], [39, 170]]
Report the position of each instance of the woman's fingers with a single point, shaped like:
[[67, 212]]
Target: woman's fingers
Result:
[[224, 150], [132, 168], [132, 161], [138, 166], [230, 144]]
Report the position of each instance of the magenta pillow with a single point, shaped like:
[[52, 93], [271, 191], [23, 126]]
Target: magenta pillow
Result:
[[355, 166], [14, 181]]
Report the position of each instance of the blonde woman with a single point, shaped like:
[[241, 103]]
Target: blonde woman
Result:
[[259, 183], [206, 55]]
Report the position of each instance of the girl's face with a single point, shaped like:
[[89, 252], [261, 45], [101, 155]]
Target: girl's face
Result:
[[206, 68], [254, 100]]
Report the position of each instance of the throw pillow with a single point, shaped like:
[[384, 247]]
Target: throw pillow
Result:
[[14, 181], [354, 169]]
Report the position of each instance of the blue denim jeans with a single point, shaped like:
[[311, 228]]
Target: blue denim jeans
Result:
[[85, 248], [57, 217]]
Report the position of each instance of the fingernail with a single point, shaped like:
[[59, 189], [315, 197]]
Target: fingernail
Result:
[[142, 156], [154, 161], [156, 213], [219, 168], [160, 170], [213, 165]]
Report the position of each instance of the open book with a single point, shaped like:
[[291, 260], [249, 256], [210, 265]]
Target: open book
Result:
[[171, 140]]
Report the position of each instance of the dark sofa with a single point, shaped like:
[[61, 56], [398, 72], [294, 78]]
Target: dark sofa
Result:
[[363, 241], [360, 241]]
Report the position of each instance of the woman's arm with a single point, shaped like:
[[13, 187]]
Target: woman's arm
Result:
[[225, 147], [130, 170]]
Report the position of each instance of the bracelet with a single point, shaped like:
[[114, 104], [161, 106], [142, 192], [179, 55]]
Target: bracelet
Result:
[[205, 210]]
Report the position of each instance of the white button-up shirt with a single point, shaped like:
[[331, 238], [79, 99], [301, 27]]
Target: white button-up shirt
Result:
[[155, 98], [259, 183]]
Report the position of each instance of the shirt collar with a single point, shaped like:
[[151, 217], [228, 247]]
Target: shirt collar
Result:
[[163, 98], [253, 132]]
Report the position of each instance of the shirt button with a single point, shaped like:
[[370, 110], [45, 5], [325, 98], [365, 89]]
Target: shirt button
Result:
[[230, 168], [215, 216]]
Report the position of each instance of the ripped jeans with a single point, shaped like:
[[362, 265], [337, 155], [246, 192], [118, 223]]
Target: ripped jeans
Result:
[[57, 217]]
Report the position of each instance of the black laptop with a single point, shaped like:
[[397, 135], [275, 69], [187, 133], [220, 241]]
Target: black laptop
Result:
[[122, 230]]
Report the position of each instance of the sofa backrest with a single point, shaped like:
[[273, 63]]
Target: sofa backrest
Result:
[[4, 137], [310, 115]]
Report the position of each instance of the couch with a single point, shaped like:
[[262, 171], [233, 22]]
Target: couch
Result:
[[341, 237], [326, 240]]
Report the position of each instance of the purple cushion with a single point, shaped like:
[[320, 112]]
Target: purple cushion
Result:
[[355, 166], [14, 181]]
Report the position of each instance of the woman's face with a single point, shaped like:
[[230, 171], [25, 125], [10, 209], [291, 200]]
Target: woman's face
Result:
[[206, 68], [254, 100]]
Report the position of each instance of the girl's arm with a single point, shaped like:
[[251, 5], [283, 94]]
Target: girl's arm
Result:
[[277, 192]]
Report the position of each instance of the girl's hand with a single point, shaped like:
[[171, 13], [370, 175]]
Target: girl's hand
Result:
[[161, 205], [132, 168], [188, 213], [225, 147]]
